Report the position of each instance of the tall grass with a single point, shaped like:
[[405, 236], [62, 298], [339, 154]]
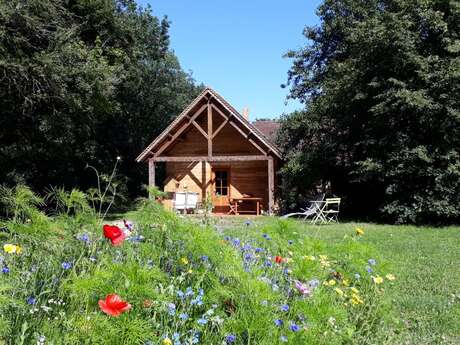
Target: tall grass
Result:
[[186, 283]]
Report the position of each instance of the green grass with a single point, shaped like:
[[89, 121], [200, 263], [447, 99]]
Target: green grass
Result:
[[425, 260]]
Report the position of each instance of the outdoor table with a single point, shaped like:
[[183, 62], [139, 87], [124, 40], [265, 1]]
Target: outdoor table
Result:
[[235, 201]]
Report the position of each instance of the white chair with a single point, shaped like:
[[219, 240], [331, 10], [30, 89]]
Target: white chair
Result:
[[328, 212], [311, 210], [184, 201]]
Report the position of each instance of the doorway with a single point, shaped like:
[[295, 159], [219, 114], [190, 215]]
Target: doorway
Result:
[[221, 188]]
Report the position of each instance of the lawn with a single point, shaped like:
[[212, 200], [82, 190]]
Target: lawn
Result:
[[425, 261], [186, 280]]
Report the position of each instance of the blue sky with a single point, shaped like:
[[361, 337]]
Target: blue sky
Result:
[[236, 46]]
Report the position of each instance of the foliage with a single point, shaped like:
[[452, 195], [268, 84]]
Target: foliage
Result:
[[188, 283], [380, 82], [81, 83]]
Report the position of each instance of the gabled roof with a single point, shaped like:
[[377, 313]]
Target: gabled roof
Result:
[[258, 134], [269, 128]]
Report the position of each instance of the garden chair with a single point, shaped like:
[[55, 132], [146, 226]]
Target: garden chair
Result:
[[309, 211], [184, 201], [328, 212]]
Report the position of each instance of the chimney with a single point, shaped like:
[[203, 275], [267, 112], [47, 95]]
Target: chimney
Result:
[[245, 113]]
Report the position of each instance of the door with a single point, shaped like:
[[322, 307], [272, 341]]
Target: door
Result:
[[221, 187]]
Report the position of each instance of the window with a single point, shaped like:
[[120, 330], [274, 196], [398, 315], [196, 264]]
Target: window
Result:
[[221, 182]]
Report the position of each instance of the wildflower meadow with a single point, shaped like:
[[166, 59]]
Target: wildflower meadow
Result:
[[72, 278]]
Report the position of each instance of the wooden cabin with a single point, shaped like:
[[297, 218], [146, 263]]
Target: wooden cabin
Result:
[[211, 149]]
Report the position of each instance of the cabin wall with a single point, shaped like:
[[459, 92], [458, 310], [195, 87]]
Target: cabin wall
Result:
[[246, 177]]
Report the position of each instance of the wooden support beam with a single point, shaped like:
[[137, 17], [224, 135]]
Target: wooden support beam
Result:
[[220, 112], [271, 185], [211, 159], [151, 172], [179, 132], [200, 129], [209, 130], [222, 125]]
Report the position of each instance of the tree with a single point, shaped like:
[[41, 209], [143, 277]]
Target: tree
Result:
[[380, 84], [83, 82]]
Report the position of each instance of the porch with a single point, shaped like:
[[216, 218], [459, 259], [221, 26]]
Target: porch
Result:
[[232, 184]]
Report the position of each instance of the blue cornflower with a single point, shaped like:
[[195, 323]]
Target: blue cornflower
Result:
[[357, 276], [5, 270], [247, 246], [290, 241], [247, 223], [236, 242], [284, 308], [196, 338], [268, 263], [136, 239], [283, 339], [372, 262], [278, 322], [266, 236], [180, 294], [368, 269], [204, 258], [197, 300], [201, 292], [259, 250], [84, 237], [230, 338], [313, 283], [247, 257], [202, 321], [293, 327], [171, 309], [176, 336], [264, 303], [31, 300], [183, 316], [66, 265], [189, 292]]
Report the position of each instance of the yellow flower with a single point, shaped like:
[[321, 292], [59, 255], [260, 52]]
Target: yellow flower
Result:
[[311, 257], [339, 291], [323, 257], [355, 299], [377, 280], [346, 282], [12, 249], [331, 282], [354, 290], [390, 276], [183, 261], [167, 341], [359, 231], [190, 271]]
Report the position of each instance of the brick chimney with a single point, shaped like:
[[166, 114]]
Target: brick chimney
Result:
[[245, 113]]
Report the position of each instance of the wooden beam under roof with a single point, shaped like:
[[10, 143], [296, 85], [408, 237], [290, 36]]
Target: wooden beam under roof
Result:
[[210, 159]]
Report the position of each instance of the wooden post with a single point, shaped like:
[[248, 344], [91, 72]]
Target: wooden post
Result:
[[209, 130], [271, 185], [151, 172]]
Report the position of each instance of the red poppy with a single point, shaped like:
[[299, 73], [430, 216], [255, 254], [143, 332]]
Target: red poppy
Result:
[[114, 305], [278, 259], [114, 234]]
